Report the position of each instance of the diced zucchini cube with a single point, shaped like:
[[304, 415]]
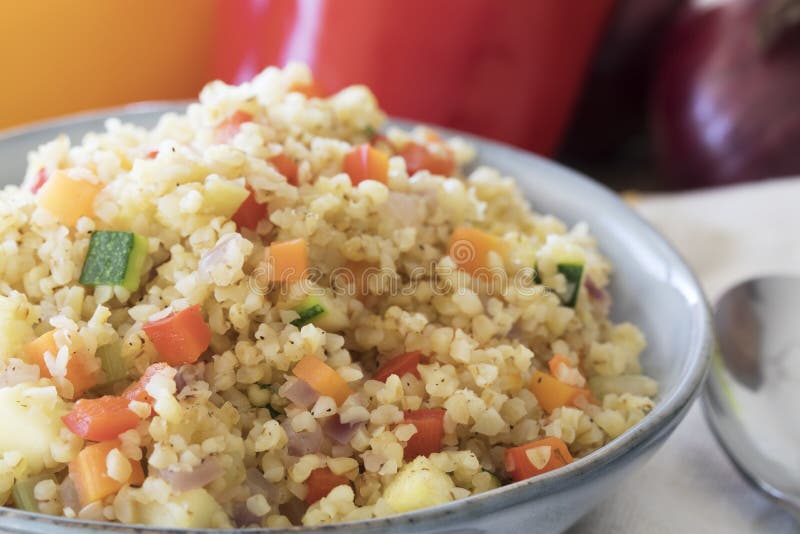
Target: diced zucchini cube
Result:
[[24, 498], [308, 310], [322, 310], [573, 273], [114, 258]]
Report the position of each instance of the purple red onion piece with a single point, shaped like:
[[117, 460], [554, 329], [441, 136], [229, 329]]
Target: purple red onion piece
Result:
[[301, 394], [205, 473], [302, 443], [340, 432]]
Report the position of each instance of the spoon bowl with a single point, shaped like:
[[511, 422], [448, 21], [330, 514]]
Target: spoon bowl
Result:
[[752, 393]]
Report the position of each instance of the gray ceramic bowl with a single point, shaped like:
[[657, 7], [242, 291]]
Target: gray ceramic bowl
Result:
[[651, 286]]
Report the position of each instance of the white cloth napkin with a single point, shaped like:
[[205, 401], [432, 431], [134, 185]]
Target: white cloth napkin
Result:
[[726, 235]]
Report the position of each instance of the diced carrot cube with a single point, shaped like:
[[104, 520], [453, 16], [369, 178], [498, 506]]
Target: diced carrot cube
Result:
[[470, 248], [78, 372], [89, 472], [366, 163], [557, 361], [552, 393], [322, 378], [287, 260]]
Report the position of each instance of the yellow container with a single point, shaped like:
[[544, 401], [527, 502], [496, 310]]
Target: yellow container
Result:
[[62, 56]]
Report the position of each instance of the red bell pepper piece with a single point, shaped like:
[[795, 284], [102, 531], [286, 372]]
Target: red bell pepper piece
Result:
[[227, 129], [138, 391], [286, 166], [250, 212], [101, 419], [399, 365], [180, 337], [430, 429], [520, 467], [320, 483], [311, 90], [41, 177], [418, 157]]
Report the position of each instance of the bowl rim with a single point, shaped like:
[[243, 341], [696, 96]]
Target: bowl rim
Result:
[[666, 414]]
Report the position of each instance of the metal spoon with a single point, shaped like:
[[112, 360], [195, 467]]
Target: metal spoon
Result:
[[752, 397]]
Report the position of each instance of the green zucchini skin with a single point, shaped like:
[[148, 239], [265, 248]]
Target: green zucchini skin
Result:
[[309, 309], [23, 492], [573, 272], [114, 258]]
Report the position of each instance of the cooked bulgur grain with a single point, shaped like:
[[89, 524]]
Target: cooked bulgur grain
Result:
[[485, 343]]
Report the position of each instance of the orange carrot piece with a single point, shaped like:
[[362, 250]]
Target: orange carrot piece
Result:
[[322, 378], [90, 474], [557, 361], [67, 199], [399, 365], [286, 166], [180, 337], [320, 483], [311, 90], [288, 260], [78, 372], [250, 212], [553, 393], [419, 157], [366, 163], [101, 419], [470, 247], [520, 467], [430, 429], [138, 391], [228, 128]]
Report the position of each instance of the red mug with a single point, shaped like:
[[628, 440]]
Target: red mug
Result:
[[509, 70]]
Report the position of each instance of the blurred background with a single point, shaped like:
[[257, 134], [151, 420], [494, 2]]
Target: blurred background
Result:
[[642, 94]]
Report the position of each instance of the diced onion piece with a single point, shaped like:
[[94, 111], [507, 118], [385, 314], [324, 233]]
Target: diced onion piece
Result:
[[208, 471]]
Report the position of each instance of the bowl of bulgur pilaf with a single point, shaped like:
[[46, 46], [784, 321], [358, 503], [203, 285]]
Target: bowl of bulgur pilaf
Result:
[[272, 309]]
